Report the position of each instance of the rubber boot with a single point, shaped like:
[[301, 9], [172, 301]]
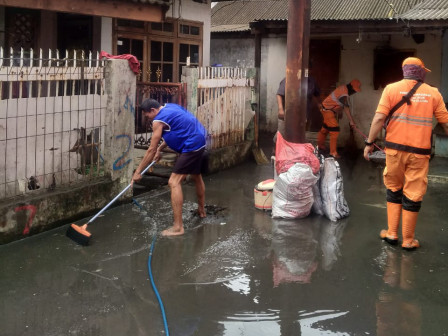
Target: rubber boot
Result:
[[393, 221], [408, 230], [334, 144]]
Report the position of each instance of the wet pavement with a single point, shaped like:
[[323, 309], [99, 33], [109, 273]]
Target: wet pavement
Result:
[[236, 272]]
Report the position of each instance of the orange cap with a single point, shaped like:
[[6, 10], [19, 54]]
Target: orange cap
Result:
[[356, 85], [414, 61]]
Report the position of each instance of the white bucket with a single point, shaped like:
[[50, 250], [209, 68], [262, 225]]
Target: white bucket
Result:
[[263, 194]]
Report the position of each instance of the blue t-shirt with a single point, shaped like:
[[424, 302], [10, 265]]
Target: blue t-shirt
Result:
[[183, 132]]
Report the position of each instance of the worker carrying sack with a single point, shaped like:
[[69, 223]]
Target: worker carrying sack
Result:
[[332, 191], [293, 193]]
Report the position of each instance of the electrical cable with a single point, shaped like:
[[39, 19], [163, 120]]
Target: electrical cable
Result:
[[156, 292]]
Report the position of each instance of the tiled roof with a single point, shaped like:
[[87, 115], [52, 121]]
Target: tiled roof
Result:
[[244, 12], [428, 10]]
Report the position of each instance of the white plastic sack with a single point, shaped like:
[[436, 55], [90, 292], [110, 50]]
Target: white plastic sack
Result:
[[293, 194], [332, 191], [318, 207]]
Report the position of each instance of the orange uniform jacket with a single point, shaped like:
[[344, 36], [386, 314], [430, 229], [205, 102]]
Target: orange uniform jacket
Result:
[[410, 127], [333, 101]]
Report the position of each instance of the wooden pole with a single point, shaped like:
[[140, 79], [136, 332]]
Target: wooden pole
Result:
[[257, 85], [297, 70]]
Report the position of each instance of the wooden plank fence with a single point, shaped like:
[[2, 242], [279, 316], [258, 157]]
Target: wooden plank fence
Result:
[[224, 94]]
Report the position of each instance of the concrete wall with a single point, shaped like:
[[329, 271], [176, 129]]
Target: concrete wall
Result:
[[356, 62], [444, 71], [233, 52], [194, 11], [33, 213], [273, 70]]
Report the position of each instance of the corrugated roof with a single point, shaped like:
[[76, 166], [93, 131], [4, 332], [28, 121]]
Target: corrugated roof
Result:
[[150, 2], [244, 12], [428, 10], [230, 28]]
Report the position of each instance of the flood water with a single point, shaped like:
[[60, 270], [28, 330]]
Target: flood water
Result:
[[236, 272]]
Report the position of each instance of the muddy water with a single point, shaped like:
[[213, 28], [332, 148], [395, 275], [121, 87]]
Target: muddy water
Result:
[[237, 272]]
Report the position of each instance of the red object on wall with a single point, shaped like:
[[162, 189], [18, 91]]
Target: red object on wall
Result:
[[133, 61]]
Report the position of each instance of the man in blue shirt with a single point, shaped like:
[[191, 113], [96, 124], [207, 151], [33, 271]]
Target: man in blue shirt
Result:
[[184, 134]]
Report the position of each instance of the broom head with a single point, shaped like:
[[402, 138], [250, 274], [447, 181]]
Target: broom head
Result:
[[79, 234]]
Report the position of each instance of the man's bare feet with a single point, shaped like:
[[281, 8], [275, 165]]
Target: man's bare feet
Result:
[[172, 231], [202, 213]]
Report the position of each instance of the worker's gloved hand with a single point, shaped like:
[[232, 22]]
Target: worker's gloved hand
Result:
[[352, 124]]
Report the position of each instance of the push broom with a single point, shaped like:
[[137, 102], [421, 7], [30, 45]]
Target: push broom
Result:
[[79, 234]]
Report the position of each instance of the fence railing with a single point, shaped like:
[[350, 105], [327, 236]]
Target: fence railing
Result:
[[52, 118], [224, 94], [163, 93]]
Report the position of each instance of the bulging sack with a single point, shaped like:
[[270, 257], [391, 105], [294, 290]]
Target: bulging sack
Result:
[[293, 194], [335, 206], [288, 153]]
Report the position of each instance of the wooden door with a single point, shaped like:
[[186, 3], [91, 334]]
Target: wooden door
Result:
[[324, 67]]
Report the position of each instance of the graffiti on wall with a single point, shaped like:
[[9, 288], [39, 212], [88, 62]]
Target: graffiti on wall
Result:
[[121, 162], [32, 212], [129, 104], [11, 218]]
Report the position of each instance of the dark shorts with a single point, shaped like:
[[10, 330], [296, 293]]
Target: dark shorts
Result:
[[192, 163]]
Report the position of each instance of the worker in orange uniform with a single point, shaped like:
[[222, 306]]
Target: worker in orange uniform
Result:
[[332, 108], [407, 146]]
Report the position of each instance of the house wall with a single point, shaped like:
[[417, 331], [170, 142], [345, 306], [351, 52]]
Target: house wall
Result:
[[186, 9], [444, 72], [357, 61], [273, 70], [194, 11], [233, 52]]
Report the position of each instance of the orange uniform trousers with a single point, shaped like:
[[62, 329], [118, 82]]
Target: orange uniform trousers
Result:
[[331, 126], [407, 171]]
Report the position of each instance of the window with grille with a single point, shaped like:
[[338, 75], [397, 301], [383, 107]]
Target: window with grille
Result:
[[170, 46]]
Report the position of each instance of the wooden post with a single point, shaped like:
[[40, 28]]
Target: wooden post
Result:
[[297, 70], [257, 85]]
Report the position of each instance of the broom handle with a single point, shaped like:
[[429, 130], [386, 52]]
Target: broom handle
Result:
[[118, 196], [366, 138]]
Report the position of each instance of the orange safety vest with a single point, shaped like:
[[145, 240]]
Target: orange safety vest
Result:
[[333, 101], [410, 127]]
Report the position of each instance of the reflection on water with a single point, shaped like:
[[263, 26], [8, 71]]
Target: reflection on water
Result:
[[396, 308], [269, 323], [295, 247]]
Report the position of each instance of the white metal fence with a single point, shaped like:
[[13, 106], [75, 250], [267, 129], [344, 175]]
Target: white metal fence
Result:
[[224, 94], [52, 118]]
